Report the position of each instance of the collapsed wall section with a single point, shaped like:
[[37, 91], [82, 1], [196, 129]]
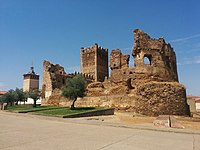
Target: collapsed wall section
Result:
[[160, 55], [54, 77]]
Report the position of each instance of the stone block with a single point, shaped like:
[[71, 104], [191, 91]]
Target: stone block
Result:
[[162, 121], [175, 124]]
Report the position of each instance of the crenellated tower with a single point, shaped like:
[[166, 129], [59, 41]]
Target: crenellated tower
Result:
[[94, 61]]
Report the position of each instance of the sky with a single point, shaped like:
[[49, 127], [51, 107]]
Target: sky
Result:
[[32, 31]]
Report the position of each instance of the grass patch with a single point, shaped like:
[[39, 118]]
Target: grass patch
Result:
[[67, 111], [56, 111], [30, 108]]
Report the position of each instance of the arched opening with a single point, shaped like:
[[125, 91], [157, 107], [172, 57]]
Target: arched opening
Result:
[[147, 60]]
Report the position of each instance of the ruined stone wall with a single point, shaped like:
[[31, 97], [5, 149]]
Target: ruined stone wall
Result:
[[161, 56], [161, 66], [161, 98], [54, 77], [94, 61], [151, 99], [102, 64], [119, 102], [118, 60]]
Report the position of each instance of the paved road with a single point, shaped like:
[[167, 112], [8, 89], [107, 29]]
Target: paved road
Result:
[[28, 132]]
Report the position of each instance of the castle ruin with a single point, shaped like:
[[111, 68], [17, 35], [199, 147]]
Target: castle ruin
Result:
[[149, 88]]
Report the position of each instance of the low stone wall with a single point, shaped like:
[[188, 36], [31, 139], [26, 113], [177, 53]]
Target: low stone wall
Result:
[[119, 102]]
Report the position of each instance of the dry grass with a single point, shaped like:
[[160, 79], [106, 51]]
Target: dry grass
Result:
[[190, 122], [191, 125]]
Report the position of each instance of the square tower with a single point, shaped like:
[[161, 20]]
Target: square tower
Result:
[[31, 81], [94, 62]]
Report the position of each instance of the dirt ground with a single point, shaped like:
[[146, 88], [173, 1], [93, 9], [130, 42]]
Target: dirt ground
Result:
[[131, 119], [190, 122], [187, 122]]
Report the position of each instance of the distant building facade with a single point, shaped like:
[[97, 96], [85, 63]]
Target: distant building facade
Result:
[[31, 81], [194, 103]]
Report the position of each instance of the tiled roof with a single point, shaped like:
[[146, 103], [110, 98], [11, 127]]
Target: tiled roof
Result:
[[193, 97], [197, 100], [2, 92]]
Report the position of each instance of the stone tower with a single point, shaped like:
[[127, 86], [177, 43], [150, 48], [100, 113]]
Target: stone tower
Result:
[[94, 61], [31, 81]]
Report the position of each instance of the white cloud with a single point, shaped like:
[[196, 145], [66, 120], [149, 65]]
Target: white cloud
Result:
[[198, 62], [189, 61], [185, 39]]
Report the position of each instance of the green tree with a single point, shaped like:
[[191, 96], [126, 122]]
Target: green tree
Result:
[[10, 97], [35, 95], [25, 96], [1, 99], [74, 88], [20, 95]]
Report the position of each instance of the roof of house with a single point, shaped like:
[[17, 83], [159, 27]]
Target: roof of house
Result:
[[197, 100], [193, 97], [2, 92]]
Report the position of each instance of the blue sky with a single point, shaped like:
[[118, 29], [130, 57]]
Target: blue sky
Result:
[[35, 30]]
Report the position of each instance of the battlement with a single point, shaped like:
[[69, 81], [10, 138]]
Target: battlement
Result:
[[93, 48], [86, 76]]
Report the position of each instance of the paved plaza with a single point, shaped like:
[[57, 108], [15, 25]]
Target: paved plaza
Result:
[[29, 132]]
